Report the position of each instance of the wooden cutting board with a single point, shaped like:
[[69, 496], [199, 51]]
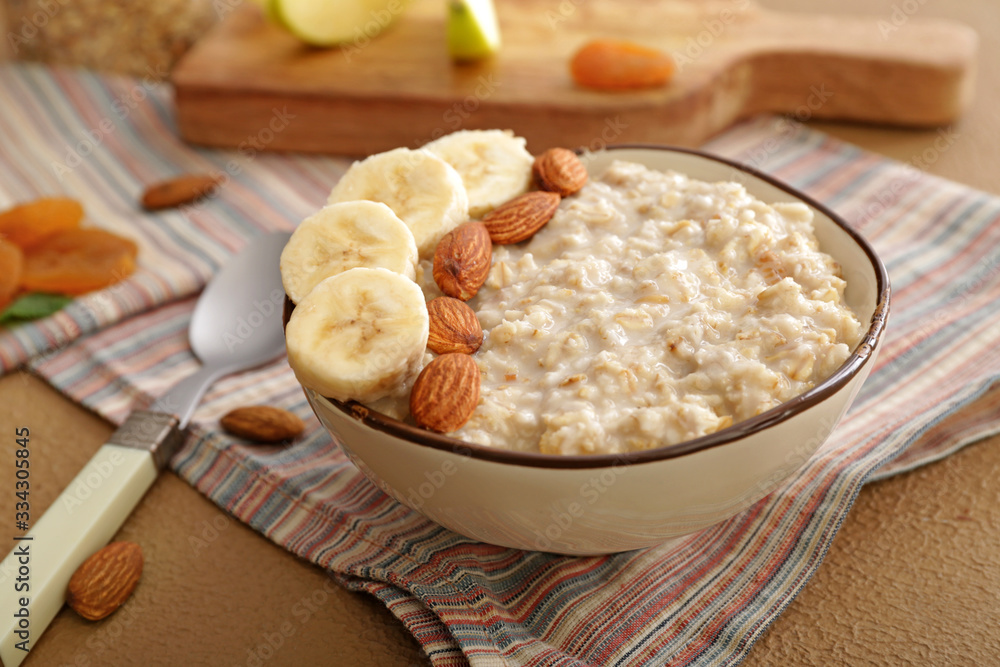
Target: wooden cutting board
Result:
[[251, 84]]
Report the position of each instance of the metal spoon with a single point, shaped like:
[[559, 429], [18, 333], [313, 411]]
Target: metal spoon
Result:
[[236, 325]]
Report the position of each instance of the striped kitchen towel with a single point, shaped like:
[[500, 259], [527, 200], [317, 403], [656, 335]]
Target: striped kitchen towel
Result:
[[703, 599], [102, 140]]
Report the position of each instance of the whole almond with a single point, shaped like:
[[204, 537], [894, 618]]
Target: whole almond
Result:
[[178, 191], [446, 393], [262, 423], [454, 326], [519, 219], [560, 170], [462, 260], [104, 581]]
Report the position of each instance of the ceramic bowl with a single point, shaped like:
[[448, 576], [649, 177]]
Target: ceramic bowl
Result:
[[610, 503]]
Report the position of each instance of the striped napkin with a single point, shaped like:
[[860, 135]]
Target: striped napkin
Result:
[[102, 140], [702, 599]]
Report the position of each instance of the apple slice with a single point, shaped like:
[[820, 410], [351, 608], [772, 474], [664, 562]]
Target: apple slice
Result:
[[333, 22], [473, 29], [270, 8]]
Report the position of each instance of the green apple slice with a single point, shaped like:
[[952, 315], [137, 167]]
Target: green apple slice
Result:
[[271, 12], [333, 22], [473, 29]]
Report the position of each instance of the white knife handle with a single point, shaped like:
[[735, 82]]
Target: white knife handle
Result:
[[34, 575]]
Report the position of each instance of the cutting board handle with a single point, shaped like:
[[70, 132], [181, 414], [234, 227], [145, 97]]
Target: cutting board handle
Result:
[[898, 70]]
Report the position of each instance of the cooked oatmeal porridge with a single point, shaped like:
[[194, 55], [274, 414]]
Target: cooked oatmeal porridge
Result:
[[652, 309]]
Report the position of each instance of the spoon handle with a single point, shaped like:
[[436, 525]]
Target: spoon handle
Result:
[[84, 517], [183, 397]]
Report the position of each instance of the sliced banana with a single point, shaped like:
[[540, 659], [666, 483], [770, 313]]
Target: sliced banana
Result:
[[344, 236], [494, 165], [421, 188], [358, 335]]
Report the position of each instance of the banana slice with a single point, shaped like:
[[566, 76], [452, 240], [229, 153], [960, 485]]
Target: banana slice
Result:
[[344, 236], [494, 165], [360, 335], [421, 188]]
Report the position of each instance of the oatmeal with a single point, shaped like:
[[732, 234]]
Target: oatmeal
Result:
[[652, 309]]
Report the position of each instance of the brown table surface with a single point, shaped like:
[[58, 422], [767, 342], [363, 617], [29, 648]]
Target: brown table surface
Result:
[[913, 577]]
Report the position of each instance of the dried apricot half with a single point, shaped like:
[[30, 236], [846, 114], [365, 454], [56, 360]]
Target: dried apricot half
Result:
[[11, 267], [77, 261], [29, 224], [616, 65]]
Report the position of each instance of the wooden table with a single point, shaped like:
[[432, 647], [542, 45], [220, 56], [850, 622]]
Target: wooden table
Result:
[[913, 577]]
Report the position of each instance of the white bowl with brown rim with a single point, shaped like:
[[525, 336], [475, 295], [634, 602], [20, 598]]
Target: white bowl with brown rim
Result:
[[601, 504]]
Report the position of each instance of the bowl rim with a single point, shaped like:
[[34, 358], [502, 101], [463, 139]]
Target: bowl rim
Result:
[[859, 358]]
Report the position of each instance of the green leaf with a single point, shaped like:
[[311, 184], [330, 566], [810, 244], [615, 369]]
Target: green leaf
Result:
[[33, 306]]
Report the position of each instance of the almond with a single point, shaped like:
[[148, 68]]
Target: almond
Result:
[[262, 423], [454, 326], [519, 219], [462, 260], [446, 393], [105, 580], [178, 191], [559, 170]]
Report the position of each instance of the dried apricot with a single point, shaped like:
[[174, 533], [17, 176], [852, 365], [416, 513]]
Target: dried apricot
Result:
[[29, 224], [77, 261], [615, 65], [11, 267]]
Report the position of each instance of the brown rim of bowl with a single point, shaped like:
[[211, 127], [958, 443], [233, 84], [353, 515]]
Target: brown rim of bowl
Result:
[[831, 385]]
